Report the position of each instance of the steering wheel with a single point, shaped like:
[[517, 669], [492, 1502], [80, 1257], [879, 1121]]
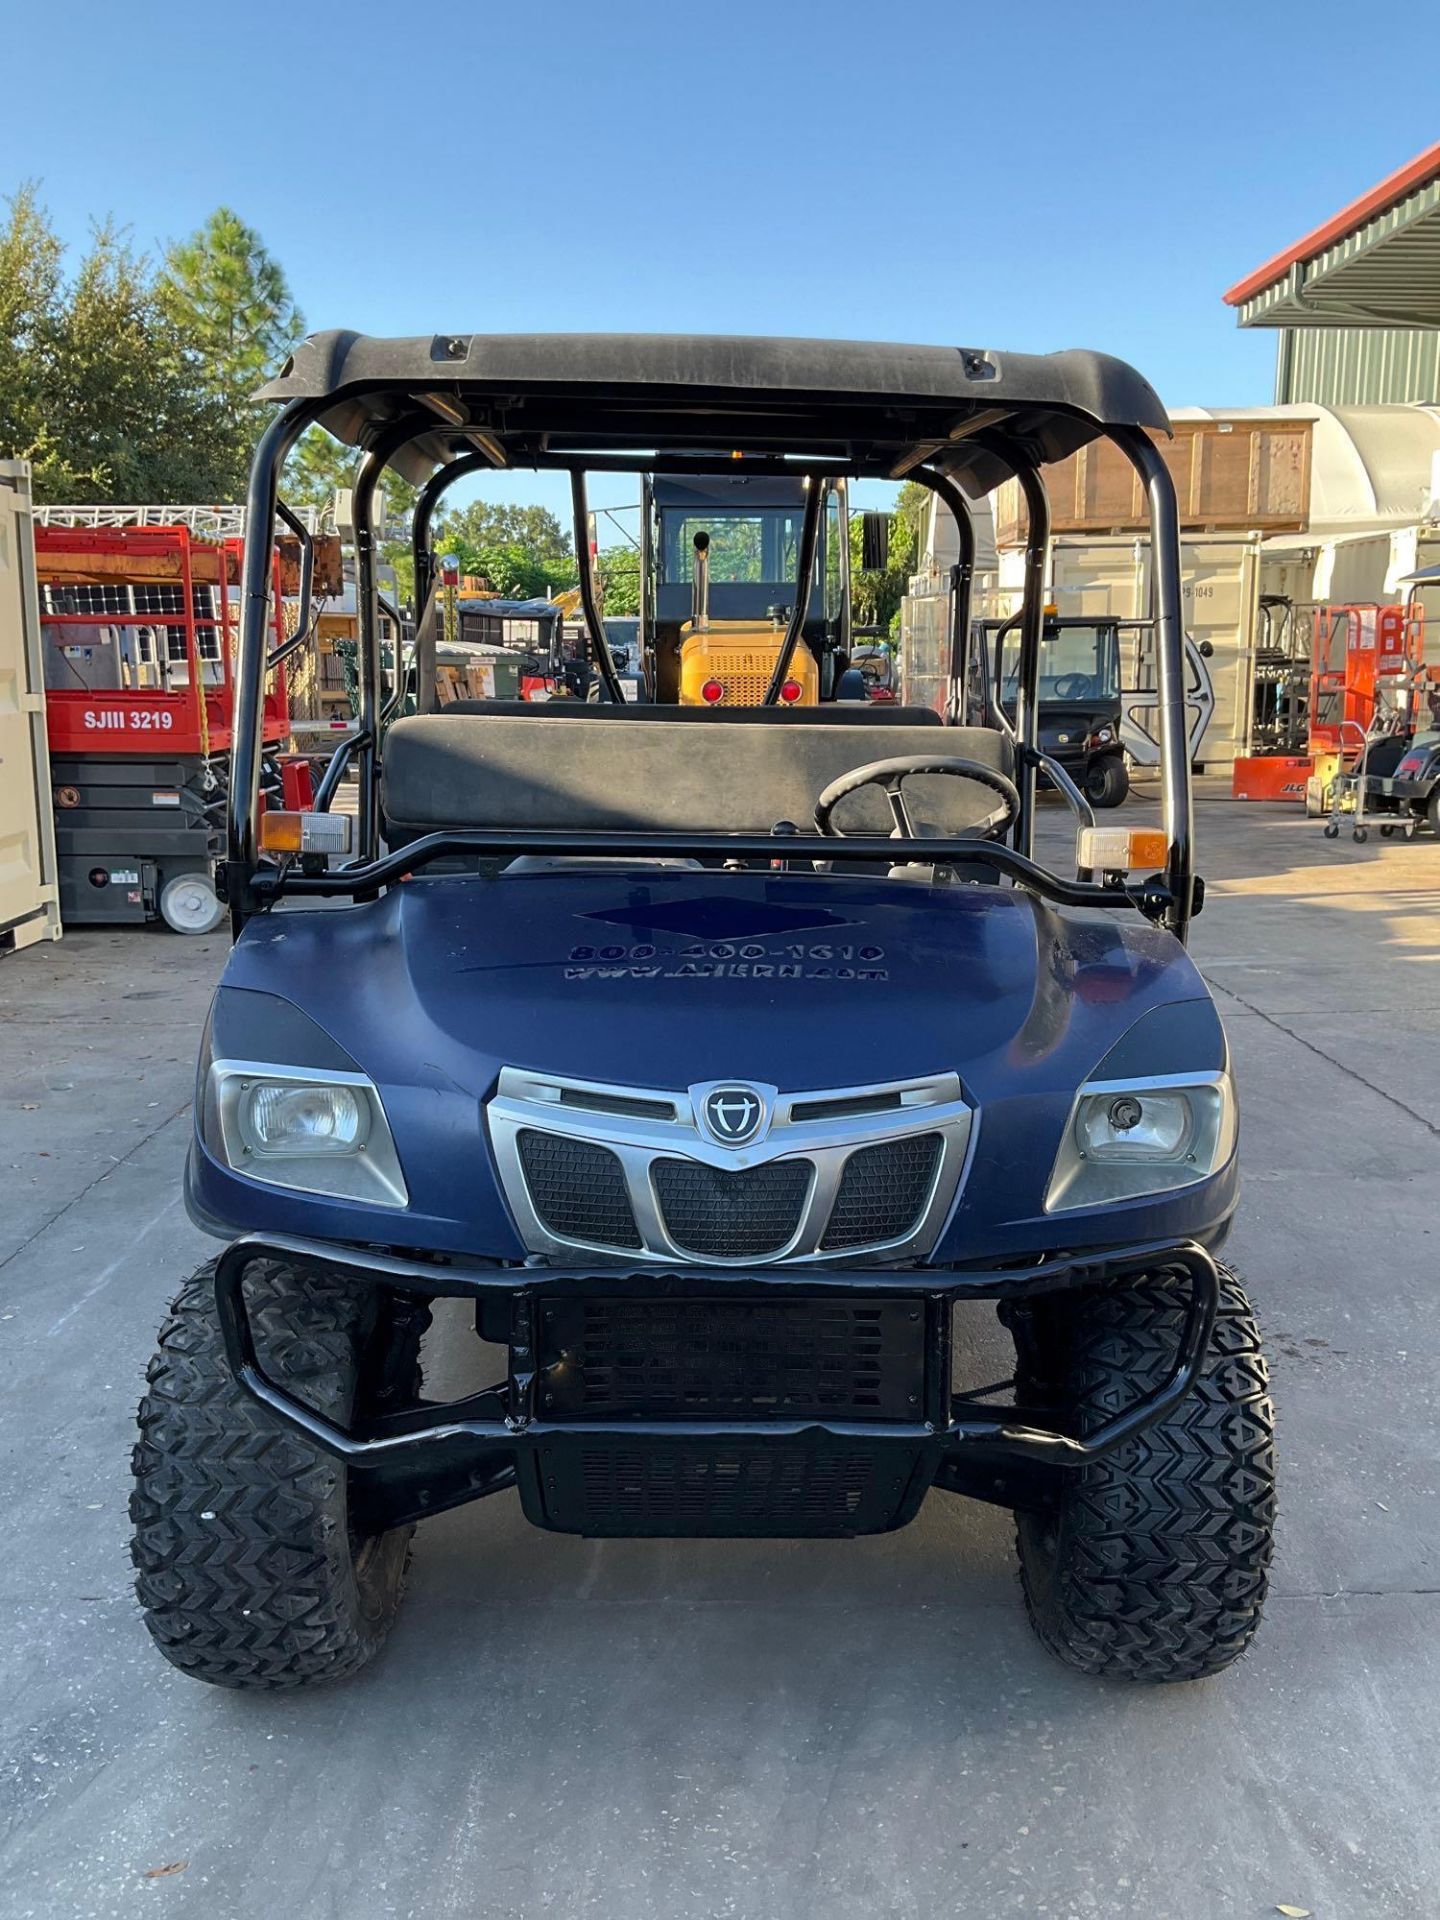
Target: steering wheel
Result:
[[1073, 686], [892, 775]]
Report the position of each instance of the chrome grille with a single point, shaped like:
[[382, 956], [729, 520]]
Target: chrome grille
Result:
[[831, 1174]]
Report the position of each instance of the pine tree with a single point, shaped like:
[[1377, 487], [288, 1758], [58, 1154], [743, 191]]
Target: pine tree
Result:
[[318, 468], [229, 300]]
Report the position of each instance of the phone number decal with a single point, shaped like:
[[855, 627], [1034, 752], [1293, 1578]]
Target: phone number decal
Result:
[[728, 960]]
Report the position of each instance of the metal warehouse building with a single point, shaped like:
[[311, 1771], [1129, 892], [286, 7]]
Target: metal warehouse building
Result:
[[1357, 301]]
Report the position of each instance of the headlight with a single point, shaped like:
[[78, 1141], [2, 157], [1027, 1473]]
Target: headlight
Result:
[[275, 1118], [1128, 1138], [1134, 1126], [309, 1131], [1101, 737]]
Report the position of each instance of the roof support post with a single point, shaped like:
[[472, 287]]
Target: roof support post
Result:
[[422, 554], [1032, 628], [804, 585], [422, 548], [1167, 611], [599, 639], [842, 534], [367, 609], [242, 812], [367, 652], [962, 581]]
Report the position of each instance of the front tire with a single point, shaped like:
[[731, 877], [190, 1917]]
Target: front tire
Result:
[[1154, 1562], [249, 1571], [1107, 782]]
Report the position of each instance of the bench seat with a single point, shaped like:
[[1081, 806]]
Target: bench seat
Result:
[[512, 772]]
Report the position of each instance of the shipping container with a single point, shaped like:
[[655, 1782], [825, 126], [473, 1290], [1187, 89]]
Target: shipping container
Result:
[[29, 895], [1221, 587]]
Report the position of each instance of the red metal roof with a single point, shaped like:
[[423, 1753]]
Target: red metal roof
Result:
[[1415, 173]]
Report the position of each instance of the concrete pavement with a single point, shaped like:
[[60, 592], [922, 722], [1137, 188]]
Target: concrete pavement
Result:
[[691, 1730]]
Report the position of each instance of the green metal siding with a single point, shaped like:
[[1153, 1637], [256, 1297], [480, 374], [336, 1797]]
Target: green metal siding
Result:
[[1358, 366]]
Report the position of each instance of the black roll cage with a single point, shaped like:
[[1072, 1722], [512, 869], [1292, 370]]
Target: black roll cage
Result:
[[251, 886]]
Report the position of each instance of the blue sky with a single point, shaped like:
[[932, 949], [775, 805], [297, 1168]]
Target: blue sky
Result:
[[1030, 177]]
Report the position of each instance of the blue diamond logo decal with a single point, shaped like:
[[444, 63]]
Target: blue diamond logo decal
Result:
[[714, 917]]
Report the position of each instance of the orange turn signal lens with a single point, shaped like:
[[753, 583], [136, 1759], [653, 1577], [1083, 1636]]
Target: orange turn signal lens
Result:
[[1121, 849], [280, 832]]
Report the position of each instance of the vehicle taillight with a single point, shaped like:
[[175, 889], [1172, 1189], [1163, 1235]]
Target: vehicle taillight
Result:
[[711, 692], [791, 692], [1410, 766]]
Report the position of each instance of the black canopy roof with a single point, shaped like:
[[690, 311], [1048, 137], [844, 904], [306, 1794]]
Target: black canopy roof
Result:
[[548, 400]]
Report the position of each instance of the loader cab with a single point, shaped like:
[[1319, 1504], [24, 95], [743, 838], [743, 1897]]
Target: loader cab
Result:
[[720, 563]]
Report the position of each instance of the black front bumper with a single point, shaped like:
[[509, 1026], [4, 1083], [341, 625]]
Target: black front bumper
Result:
[[788, 1445]]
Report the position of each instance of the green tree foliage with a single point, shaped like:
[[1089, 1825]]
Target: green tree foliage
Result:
[[97, 388], [484, 524], [322, 466], [509, 567], [877, 595], [523, 551], [318, 468], [228, 299], [30, 297], [619, 570]]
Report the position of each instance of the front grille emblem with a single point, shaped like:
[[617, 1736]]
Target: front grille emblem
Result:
[[732, 1115]]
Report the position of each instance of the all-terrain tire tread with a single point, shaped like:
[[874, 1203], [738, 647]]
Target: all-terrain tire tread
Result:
[[245, 1567], [1157, 1570]]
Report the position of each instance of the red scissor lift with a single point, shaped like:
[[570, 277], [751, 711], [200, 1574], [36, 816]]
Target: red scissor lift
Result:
[[139, 626], [1371, 691], [1367, 672]]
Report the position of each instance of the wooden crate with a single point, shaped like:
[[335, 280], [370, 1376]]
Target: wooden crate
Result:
[[1229, 475]]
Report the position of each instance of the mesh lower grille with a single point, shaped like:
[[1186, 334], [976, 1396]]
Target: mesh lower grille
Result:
[[746, 689], [742, 1489], [577, 1189], [882, 1192], [745, 673], [676, 1358], [731, 1215]]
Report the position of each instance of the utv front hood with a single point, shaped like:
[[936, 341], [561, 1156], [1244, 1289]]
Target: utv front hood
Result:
[[802, 981], [669, 979]]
